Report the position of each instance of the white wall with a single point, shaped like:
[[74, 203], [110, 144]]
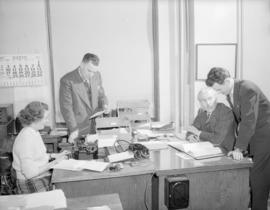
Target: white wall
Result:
[[119, 32], [168, 43], [24, 31], [214, 22], [256, 43], [248, 25]]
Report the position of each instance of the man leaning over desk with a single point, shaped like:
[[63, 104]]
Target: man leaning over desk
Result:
[[251, 110], [81, 95]]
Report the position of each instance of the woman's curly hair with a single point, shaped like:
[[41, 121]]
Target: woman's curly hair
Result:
[[33, 112]]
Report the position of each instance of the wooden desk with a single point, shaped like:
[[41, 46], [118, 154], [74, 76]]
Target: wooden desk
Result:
[[81, 203], [132, 183], [215, 183]]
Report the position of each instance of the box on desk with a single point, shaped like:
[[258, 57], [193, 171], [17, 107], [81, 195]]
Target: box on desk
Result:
[[114, 126], [6, 113]]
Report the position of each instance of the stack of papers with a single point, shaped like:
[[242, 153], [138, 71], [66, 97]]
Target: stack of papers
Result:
[[106, 140], [105, 207], [162, 125], [97, 114], [155, 145], [198, 150], [78, 165], [122, 156], [59, 131], [149, 133]]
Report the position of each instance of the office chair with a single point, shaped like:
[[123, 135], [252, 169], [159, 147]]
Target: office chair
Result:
[[7, 178]]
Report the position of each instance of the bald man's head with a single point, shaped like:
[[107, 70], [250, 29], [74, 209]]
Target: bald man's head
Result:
[[208, 99]]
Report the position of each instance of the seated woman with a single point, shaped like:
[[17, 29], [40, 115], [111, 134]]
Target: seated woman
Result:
[[30, 160], [214, 121]]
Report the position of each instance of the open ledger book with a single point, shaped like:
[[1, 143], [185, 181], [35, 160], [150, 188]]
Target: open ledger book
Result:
[[198, 150]]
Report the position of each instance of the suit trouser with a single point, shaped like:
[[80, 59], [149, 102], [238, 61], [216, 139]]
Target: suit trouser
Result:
[[260, 180]]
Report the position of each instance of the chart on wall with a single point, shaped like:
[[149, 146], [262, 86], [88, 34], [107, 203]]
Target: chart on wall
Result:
[[21, 70]]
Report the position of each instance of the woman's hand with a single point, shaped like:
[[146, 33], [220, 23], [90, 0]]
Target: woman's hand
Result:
[[63, 155]]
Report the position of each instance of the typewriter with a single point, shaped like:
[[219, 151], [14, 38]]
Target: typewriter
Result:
[[81, 149]]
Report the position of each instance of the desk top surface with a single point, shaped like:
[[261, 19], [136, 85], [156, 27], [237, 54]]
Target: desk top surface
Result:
[[81, 203], [165, 161], [170, 161]]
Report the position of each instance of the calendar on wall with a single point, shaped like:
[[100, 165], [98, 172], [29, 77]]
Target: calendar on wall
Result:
[[21, 70]]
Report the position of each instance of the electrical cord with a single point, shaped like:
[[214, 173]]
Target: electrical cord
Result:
[[146, 189], [140, 151]]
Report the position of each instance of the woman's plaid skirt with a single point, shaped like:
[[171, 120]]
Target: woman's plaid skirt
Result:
[[34, 185]]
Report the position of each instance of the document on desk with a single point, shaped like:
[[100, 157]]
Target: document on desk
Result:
[[95, 165], [78, 165], [105, 207], [106, 140], [96, 114], [54, 198], [155, 145], [162, 125], [149, 133], [70, 164], [122, 156], [198, 150]]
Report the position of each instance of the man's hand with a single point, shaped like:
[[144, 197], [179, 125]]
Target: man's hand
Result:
[[193, 138], [236, 154], [107, 110], [91, 138], [194, 130], [72, 136]]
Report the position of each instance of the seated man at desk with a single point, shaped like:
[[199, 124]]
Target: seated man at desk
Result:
[[214, 121], [81, 95]]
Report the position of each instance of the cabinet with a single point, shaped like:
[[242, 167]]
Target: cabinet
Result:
[[51, 142]]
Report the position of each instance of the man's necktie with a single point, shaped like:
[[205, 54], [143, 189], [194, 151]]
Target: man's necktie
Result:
[[89, 91], [229, 100], [231, 105]]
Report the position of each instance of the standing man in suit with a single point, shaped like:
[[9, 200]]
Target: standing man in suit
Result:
[[252, 114], [81, 95]]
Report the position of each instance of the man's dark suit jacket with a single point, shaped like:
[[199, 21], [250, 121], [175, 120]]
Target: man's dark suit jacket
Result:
[[252, 111], [76, 104], [219, 128]]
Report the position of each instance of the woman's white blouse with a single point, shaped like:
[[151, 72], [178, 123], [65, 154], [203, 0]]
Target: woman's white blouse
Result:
[[29, 154]]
